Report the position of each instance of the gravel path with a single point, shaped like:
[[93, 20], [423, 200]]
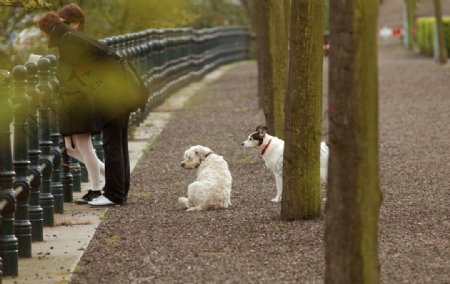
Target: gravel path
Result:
[[152, 240], [415, 168]]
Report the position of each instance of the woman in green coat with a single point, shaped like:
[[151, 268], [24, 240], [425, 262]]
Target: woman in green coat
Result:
[[79, 146], [95, 94]]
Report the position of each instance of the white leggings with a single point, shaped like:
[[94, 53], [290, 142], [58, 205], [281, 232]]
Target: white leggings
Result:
[[79, 146]]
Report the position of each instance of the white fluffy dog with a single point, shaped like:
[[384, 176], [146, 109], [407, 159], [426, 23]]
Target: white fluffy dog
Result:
[[272, 149], [212, 189]]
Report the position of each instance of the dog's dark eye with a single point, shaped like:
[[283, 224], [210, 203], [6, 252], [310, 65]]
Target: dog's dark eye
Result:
[[250, 138]]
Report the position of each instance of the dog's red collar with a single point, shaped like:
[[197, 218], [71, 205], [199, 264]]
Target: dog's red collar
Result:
[[265, 148]]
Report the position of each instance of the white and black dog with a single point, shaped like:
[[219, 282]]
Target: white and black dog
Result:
[[272, 148], [212, 189]]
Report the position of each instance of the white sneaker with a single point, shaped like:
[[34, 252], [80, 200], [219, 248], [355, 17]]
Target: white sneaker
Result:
[[101, 201]]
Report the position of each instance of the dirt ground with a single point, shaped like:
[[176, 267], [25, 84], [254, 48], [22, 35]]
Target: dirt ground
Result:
[[152, 240]]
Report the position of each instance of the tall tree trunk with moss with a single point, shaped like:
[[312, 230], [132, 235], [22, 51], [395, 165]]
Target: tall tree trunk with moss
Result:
[[442, 50], [301, 164], [354, 197], [255, 18], [273, 60], [409, 20]]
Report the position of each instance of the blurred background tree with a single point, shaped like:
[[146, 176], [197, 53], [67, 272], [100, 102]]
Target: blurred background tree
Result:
[[19, 36]]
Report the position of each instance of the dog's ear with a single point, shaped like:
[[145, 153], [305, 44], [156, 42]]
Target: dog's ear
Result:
[[200, 154], [262, 130]]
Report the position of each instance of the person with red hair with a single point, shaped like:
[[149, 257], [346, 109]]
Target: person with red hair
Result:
[[78, 145], [73, 16], [95, 96]]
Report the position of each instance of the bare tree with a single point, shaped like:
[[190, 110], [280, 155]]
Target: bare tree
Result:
[[301, 164], [354, 197]]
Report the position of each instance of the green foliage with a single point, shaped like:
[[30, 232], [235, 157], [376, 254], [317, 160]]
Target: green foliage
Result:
[[111, 17], [217, 13], [122, 16], [27, 4], [426, 32]]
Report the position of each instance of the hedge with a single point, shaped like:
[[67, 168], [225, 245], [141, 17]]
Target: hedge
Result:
[[426, 32]]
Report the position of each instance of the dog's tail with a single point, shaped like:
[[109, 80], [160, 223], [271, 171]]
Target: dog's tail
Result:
[[183, 201]]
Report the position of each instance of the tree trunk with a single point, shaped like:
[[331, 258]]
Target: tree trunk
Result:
[[273, 59], [410, 15], [262, 38], [354, 197], [265, 89], [255, 18], [442, 50], [279, 52], [301, 165]]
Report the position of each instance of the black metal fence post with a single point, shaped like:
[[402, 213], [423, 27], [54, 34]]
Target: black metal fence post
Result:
[[66, 178], [75, 170], [84, 173], [56, 185], [45, 142], [98, 146], [22, 225], [34, 209], [8, 241]]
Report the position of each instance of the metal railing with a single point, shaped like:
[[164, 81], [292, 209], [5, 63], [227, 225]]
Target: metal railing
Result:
[[168, 59], [36, 175]]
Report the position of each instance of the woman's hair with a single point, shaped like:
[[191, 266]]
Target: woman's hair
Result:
[[48, 21], [72, 13]]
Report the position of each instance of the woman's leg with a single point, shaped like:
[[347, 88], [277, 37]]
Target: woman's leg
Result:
[[83, 143], [117, 174], [71, 149], [74, 152]]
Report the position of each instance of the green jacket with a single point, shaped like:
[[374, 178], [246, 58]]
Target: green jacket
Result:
[[94, 88]]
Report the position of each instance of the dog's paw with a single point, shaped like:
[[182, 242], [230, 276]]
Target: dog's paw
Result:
[[196, 208], [183, 200], [276, 199]]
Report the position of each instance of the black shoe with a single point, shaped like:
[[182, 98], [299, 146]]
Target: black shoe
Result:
[[91, 194]]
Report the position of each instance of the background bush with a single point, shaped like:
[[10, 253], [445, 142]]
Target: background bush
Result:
[[426, 33]]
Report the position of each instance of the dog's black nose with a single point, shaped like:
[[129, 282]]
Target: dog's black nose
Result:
[[182, 164], [242, 143]]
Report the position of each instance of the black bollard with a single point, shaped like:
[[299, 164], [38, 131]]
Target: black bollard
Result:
[[45, 143], [98, 145], [75, 169], [66, 178], [21, 184], [84, 173], [56, 185], [35, 211], [8, 241]]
